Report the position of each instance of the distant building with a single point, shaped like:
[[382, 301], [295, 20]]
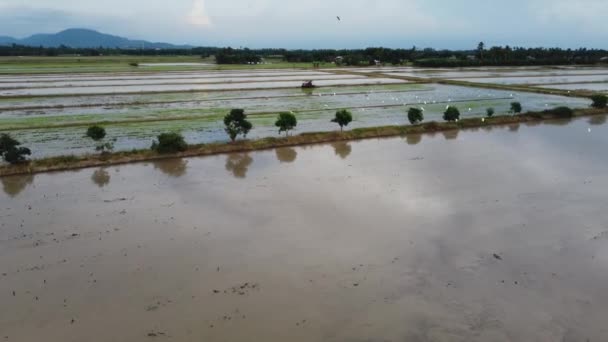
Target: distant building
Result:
[[471, 57], [339, 60]]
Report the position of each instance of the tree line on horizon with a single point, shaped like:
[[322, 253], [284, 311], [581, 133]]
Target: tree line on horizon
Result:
[[428, 57]]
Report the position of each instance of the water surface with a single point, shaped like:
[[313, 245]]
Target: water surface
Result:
[[497, 234]]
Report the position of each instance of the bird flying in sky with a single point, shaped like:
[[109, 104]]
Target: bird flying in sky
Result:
[[339, 19]]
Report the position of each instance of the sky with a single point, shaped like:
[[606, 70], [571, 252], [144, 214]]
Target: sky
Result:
[[449, 24]]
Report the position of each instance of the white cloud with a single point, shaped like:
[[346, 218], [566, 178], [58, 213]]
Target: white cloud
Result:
[[198, 15]]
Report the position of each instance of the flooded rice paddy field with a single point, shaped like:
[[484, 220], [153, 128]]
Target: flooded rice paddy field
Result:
[[495, 234], [49, 113], [86, 77], [540, 80], [281, 100], [46, 102], [500, 72], [157, 88], [598, 87], [134, 121], [176, 81]]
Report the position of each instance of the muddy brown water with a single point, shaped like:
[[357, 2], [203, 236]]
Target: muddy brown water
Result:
[[494, 234]]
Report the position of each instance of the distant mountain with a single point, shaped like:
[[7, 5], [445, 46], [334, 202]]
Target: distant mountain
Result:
[[84, 38], [5, 40]]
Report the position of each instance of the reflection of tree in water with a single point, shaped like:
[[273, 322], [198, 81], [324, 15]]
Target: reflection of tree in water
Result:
[[101, 177], [238, 164], [558, 122], [451, 134], [413, 139], [487, 128], [175, 167], [533, 123], [597, 120], [431, 134], [286, 154], [342, 148], [514, 127], [14, 185]]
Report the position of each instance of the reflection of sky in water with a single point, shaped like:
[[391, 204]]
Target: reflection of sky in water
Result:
[[548, 140], [413, 223]]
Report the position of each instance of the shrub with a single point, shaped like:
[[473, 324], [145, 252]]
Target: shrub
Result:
[[286, 122], [451, 114], [7, 143], [16, 155], [563, 112], [10, 150], [96, 132], [490, 112], [599, 101], [343, 118], [516, 107], [415, 115], [170, 143], [134, 64], [237, 124]]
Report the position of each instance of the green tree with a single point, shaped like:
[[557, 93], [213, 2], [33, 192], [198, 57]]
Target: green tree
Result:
[[11, 151], [170, 143], [98, 133], [415, 115], [480, 48], [490, 112], [343, 118], [451, 114], [563, 112], [599, 101], [516, 107], [237, 124], [286, 122]]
